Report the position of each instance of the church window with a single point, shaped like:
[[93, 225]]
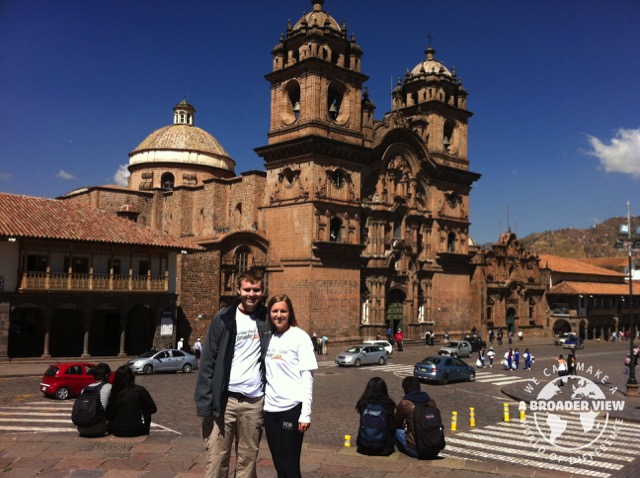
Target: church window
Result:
[[242, 259], [335, 98], [335, 230], [167, 181], [397, 228], [451, 242], [338, 178], [447, 140]]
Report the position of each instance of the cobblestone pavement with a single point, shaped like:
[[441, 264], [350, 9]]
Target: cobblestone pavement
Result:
[[174, 449]]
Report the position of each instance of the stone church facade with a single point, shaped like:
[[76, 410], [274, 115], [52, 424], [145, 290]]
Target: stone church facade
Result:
[[364, 223]]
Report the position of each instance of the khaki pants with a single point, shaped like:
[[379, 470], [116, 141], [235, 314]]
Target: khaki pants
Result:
[[243, 425]]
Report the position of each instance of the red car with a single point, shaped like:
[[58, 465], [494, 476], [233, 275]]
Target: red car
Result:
[[62, 380]]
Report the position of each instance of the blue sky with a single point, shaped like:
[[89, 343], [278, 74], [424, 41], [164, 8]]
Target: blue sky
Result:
[[553, 85]]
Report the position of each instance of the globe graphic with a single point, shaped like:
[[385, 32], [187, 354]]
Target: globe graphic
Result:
[[587, 424]]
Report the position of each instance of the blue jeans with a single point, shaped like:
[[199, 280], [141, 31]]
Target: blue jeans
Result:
[[401, 443]]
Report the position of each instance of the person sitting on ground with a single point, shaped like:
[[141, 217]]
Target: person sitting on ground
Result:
[[377, 428], [130, 406], [405, 440], [101, 373]]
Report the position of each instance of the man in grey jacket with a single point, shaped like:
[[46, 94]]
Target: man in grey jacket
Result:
[[230, 388]]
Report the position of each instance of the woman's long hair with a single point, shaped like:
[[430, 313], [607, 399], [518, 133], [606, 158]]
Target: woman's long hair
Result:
[[281, 298], [123, 388], [375, 392]]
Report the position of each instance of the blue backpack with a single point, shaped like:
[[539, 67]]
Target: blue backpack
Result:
[[373, 428]]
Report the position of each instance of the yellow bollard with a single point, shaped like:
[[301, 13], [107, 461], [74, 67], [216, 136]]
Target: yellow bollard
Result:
[[347, 441], [454, 421], [472, 417], [523, 408], [506, 412]]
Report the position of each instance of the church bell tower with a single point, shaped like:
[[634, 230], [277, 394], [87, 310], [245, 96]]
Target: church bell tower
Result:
[[314, 159]]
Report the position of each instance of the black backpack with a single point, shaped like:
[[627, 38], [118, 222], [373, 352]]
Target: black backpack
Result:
[[88, 410], [373, 428], [428, 431]]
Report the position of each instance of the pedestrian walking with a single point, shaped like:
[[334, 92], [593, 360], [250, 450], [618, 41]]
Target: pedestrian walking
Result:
[[508, 356], [399, 338], [562, 369], [289, 366], [480, 362], [197, 350], [491, 355], [516, 358], [528, 359], [520, 335], [571, 363], [627, 362], [229, 391]]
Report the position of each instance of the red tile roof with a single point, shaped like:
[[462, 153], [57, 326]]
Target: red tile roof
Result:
[[594, 288], [42, 218], [574, 266]]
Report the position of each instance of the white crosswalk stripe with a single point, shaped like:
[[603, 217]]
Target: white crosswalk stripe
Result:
[[520, 443], [50, 416]]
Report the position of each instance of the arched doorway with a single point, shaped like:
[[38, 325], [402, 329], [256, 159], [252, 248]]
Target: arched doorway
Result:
[[104, 335], [140, 331], [561, 326], [26, 332], [395, 300], [67, 333]]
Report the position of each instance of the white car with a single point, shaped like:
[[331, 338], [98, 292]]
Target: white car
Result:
[[387, 346]]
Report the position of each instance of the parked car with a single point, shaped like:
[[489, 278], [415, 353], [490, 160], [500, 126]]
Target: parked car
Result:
[[165, 360], [460, 348], [443, 369], [64, 380], [363, 354], [573, 342], [385, 343], [561, 338]]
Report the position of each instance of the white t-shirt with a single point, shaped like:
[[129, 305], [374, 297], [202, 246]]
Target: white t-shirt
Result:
[[288, 356], [246, 377]]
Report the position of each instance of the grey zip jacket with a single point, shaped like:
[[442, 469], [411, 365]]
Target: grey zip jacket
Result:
[[218, 348]]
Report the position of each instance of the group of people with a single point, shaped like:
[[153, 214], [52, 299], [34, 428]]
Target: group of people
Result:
[[126, 406], [385, 426], [256, 370], [566, 366]]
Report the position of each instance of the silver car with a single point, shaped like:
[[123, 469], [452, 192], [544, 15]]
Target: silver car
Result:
[[363, 354], [165, 360], [460, 348]]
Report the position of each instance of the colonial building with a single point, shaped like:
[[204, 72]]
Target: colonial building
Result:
[[75, 281], [508, 288], [590, 300], [363, 222]]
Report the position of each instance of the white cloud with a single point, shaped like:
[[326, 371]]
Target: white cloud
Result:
[[122, 175], [621, 155], [62, 174]]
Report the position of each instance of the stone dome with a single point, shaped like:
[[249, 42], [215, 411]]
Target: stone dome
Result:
[[317, 18], [430, 65], [182, 142]]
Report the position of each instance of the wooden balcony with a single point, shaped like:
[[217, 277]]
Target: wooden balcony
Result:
[[52, 281]]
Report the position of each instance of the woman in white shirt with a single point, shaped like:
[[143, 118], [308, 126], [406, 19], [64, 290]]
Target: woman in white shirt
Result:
[[289, 363]]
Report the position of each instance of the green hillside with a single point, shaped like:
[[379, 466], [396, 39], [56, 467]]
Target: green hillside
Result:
[[597, 241]]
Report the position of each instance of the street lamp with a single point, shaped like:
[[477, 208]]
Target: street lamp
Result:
[[632, 383]]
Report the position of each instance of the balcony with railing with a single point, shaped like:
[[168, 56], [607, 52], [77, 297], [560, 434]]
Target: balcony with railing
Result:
[[62, 281]]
